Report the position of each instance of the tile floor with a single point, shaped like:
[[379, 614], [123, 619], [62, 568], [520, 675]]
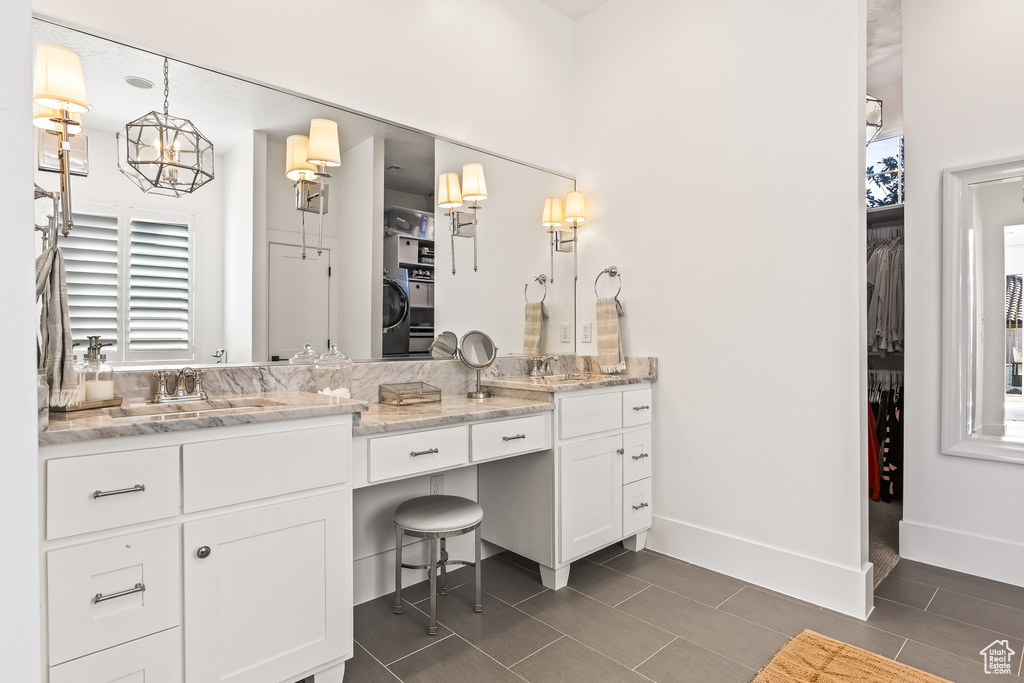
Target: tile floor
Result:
[[646, 617]]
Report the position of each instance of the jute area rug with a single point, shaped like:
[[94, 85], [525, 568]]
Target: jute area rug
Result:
[[813, 658]]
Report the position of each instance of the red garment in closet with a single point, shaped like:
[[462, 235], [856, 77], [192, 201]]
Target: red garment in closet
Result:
[[874, 480]]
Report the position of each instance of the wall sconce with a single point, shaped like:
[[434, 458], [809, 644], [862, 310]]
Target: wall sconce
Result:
[[450, 196], [873, 120], [164, 154], [59, 86], [573, 213], [307, 161]]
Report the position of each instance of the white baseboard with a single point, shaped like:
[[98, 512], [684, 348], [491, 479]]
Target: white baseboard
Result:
[[842, 589], [990, 558]]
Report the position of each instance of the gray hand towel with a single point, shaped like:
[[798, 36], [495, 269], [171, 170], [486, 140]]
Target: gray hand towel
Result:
[[55, 328]]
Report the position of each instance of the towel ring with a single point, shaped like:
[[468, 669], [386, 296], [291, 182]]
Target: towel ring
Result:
[[542, 279], [611, 271]]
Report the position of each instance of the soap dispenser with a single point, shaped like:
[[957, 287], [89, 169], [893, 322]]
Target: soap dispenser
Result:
[[97, 375]]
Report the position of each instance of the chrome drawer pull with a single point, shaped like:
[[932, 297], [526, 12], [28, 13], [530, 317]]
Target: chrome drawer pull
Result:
[[138, 488], [641, 456], [641, 407], [513, 438], [426, 452], [640, 506], [100, 597]]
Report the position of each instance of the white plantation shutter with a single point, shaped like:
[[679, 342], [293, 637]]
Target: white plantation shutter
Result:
[[91, 257], [158, 286]]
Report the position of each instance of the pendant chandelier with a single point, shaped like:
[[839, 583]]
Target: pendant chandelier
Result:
[[164, 154], [873, 118]]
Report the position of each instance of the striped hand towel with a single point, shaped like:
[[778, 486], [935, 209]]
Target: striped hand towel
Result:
[[609, 342], [531, 334]]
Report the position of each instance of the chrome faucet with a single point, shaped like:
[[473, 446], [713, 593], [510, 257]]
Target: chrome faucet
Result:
[[182, 390], [540, 365]]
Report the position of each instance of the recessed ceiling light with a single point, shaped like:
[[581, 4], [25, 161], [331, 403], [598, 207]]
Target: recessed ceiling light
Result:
[[138, 82]]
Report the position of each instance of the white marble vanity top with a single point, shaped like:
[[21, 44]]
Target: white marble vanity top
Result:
[[559, 382], [381, 418], [132, 419]]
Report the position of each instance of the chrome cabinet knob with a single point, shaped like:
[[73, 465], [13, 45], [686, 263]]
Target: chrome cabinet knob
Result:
[[203, 552]]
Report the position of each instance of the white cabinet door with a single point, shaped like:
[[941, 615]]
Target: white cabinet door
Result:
[[591, 495], [271, 599]]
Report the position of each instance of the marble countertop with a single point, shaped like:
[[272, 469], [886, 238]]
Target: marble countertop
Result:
[[545, 385], [382, 418], [131, 418]]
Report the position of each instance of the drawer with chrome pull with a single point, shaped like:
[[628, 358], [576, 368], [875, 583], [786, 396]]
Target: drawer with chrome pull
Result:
[[402, 455], [510, 437], [106, 593], [95, 492], [636, 506], [636, 407], [636, 456]]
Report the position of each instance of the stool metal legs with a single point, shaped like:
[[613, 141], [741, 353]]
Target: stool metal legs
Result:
[[435, 567]]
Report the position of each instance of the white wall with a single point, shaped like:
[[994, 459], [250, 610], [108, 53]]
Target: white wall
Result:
[[407, 62], [752, 299], [19, 506], [958, 512], [239, 193]]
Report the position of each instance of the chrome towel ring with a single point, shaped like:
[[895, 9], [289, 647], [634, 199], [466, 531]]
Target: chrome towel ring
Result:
[[611, 271], [542, 279]]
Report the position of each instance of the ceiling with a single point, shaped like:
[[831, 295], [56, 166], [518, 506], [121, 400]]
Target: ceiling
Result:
[[574, 9]]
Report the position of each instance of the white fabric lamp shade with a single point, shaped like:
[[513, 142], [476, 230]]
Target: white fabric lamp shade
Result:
[[42, 117], [58, 81], [474, 187], [552, 213], [449, 195], [323, 143], [575, 208], [296, 166]]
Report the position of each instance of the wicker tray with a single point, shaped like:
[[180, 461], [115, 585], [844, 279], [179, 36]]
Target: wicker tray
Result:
[[408, 393]]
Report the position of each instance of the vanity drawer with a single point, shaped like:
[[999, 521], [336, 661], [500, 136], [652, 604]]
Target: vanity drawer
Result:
[[509, 437], [402, 455], [579, 415], [153, 659], [94, 492], [636, 507], [636, 407], [219, 473], [636, 461], [79, 625]]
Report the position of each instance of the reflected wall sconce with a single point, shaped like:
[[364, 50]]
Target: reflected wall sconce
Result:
[[306, 162], [58, 96], [555, 216], [873, 121], [164, 154], [450, 195]]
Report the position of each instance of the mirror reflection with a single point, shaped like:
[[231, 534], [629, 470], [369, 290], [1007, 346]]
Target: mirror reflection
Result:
[[218, 274]]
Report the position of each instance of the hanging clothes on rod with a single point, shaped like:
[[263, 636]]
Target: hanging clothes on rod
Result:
[[885, 289], [885, 435]]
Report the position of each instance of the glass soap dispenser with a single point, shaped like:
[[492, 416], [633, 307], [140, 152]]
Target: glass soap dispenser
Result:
[[97, 375]]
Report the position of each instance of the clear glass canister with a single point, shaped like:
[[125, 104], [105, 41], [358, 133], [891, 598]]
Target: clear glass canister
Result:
[[98, 379]]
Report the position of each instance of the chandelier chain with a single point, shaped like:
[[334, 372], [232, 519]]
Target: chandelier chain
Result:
[[166, 87]]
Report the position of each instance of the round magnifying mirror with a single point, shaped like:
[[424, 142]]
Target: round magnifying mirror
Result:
[[444, 347], [477, 351]]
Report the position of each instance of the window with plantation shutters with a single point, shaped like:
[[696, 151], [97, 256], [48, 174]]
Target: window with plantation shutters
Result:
[[158, 286], [129, 273], [91, 261]]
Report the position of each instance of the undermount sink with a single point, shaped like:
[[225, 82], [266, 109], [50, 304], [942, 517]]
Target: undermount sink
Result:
[[179, 409]]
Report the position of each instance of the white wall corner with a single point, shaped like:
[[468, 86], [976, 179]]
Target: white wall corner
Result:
[[848, 590]]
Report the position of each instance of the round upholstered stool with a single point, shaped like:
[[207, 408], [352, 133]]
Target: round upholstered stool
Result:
[[436, 518]]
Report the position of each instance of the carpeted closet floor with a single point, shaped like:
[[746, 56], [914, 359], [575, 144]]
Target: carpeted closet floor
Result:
[[884, 536]]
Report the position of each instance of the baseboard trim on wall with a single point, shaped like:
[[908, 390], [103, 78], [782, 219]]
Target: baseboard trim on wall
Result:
[[990, 558], [842, 589]]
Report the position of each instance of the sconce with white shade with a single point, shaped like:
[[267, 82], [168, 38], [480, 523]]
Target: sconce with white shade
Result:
[[59, 97], [451, 194], [573, 212], [873, 118], [306, 163]]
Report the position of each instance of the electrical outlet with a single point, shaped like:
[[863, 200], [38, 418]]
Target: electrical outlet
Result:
[[437, 484], [565, 333], [585, 335]]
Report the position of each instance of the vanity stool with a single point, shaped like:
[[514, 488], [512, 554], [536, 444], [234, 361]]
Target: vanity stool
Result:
[[436, 518]]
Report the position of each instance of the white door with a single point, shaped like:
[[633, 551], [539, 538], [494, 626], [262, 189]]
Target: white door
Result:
[[299, 300], [590, 506], [268, 591]]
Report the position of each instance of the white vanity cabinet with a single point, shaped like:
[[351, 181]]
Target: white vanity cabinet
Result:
[[598, 475], [209, 555]]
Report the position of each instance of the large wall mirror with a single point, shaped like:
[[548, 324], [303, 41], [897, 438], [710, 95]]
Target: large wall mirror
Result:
[[983, 252], [243, 286]]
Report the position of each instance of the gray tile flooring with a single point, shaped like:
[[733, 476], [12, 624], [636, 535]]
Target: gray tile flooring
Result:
[[647, 617]]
